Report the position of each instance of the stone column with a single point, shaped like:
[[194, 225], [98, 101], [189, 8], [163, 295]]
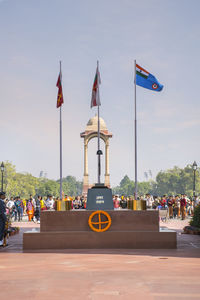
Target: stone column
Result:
[[85, 176], [107, 175], [85, 158]]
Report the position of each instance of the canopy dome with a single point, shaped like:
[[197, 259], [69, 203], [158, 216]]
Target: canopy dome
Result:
[[92, 124]]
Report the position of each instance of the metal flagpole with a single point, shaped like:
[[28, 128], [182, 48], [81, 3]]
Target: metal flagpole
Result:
[[60, 141], [98, 143], [136, 187]]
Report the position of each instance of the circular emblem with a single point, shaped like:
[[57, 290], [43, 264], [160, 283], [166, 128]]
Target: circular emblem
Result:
[[99, 221], [154, 86]]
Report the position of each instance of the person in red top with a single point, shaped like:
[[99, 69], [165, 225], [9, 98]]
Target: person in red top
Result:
[[183, 206], [116, 202], [163, 201]]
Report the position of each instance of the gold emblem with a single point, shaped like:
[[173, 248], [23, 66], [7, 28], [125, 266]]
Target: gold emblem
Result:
[[99, 221]]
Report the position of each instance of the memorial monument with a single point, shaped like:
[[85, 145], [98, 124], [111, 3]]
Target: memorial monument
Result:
[[99, 226], [99, 196], [91, 131]]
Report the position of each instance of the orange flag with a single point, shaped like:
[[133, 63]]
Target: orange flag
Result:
[[60, 99]]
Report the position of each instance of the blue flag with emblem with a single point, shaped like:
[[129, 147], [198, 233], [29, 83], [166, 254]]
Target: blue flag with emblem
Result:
[[147, 80]]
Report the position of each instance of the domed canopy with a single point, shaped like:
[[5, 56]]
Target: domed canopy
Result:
[[92, 124]]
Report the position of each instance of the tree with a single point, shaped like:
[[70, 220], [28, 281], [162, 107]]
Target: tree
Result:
[[48, 187], [196, 218], [177, 181], [71, 186], [18, 184], [172, 181], [145, 187], [24, 184], [127, 187]]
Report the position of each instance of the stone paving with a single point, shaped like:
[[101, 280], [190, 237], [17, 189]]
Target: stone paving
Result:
[[102, 274]]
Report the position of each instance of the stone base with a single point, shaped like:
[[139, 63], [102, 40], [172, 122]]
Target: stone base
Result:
[[102, 240], [77, 220], [70, 230]]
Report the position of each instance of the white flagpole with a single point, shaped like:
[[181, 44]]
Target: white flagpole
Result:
[[60, 141], [136, 185], [98, 143]]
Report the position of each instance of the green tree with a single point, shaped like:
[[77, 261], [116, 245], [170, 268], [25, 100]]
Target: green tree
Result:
[[145, 187], [176, 181], [10, 171], [172, 181], [71, 186], [48, 187], [126, 187], [196, 218]]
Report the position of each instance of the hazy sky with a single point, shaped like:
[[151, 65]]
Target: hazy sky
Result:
[[164, 38]]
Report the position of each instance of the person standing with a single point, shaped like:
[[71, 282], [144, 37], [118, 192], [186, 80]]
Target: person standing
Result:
[[163, 202], [183, 206], [123, 202], [30, 209], [192, 207], [17, 209], [175, 207], [49, 202], [170, 206], [21, 208], [37, 209], [32, 200], [116, 202], [149, 201], [42, 204], [24, 205], [77, 203], [179, 207], [10, 204], [188, 206], [2, 217]]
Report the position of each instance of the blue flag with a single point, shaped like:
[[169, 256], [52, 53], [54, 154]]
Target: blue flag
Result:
[[147, 80]]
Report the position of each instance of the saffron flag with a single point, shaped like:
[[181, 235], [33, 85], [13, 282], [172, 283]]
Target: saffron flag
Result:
[[147, 80], [60, 99], [95, 101]]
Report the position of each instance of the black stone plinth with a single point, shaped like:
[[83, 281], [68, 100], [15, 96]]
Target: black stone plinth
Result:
[[99, 197]]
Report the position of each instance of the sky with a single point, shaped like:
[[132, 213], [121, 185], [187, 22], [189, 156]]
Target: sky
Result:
[[163, 37]]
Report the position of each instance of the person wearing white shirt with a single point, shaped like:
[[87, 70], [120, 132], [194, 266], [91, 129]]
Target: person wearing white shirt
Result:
[[10, 204], [149, 201], [49, 202]]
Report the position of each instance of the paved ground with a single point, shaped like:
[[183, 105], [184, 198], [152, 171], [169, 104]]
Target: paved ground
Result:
[[102, 274]]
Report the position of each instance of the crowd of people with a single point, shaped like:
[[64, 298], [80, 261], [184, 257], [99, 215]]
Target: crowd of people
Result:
[[178, 206], [17, 207]]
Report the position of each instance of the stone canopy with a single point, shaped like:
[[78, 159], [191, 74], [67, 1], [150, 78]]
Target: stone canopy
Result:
[[91, 131], [92, 124]]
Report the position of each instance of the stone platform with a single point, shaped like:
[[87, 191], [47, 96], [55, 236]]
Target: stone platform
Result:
[[70, 230]]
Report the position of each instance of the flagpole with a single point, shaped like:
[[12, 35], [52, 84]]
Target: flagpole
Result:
[[60, 141], [136, 185], [98, 143]]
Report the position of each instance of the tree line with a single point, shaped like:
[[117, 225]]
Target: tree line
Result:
[[24, 184], [173, 181], [170, 182]]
